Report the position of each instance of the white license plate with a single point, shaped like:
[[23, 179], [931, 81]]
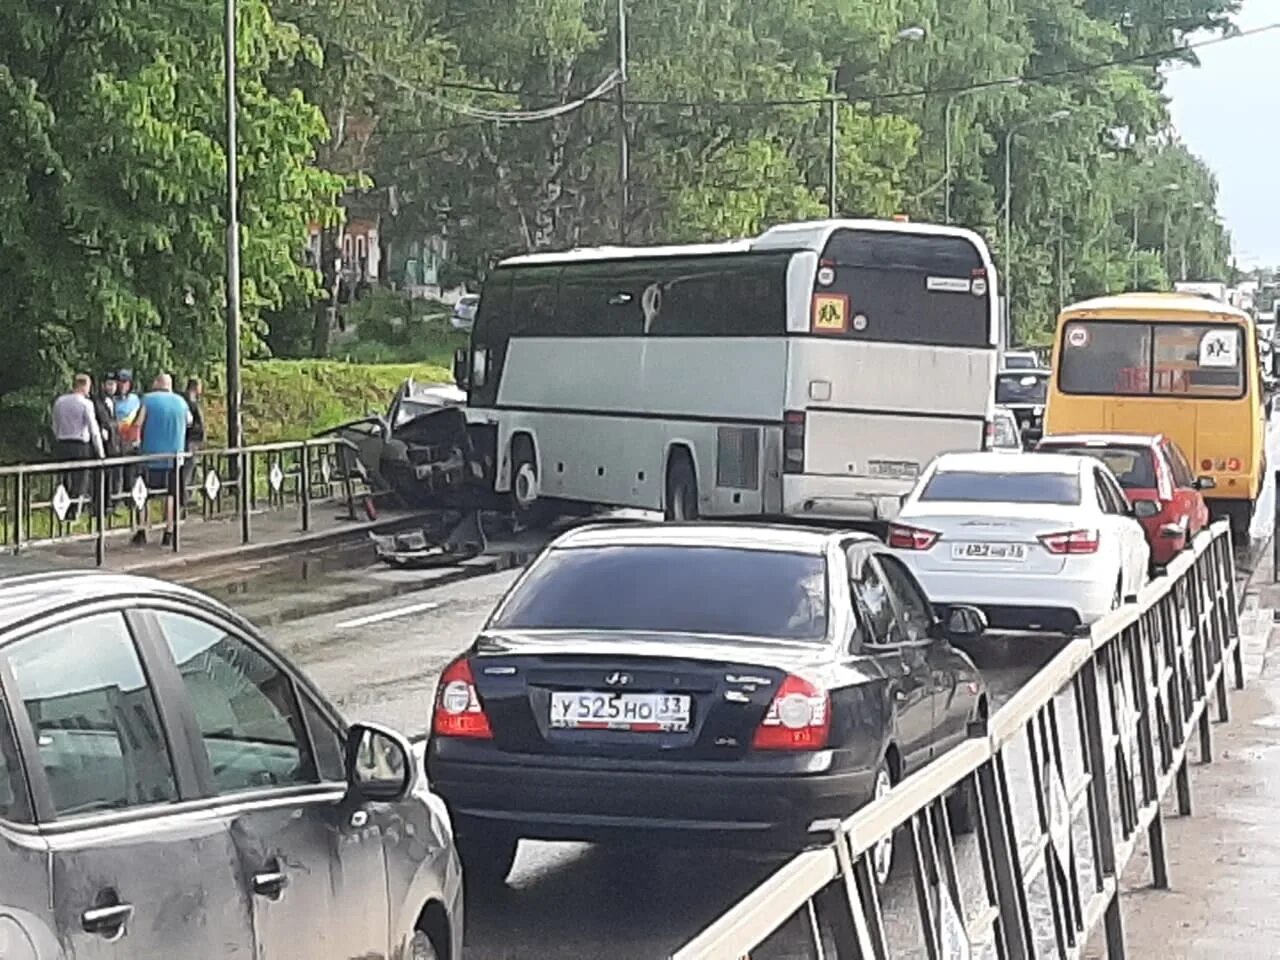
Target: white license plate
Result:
[[894, 469], [645, 712], [989, 551]]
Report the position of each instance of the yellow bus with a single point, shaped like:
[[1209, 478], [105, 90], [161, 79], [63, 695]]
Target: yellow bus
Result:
[[1177, 364]]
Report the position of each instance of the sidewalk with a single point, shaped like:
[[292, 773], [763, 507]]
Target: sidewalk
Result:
[[1224, 860], [206, 542]]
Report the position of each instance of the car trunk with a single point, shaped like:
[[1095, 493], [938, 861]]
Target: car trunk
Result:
[[628, 696], [996, 544]]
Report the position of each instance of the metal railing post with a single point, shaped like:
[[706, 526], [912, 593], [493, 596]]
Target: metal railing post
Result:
[[100, 516], [1014, 924], [348, 485], [20, 510], [1275, 529], [306, 486], [1101, 801], [240, 459], [176, 490]]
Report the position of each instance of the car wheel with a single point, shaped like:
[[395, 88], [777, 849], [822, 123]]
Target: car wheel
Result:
[[420, 947], [882, 852], [530, 509], [962, 808], [487, 857], [682, 488]]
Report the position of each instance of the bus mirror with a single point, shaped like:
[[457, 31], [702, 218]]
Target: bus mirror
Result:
[[461, 358]]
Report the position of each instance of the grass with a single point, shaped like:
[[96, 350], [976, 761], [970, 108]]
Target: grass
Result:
[[295, 399]]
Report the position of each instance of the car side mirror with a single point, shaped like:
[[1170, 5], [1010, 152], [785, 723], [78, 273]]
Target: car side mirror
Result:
[[461, 359], [965, 623], [1206, 483], [1145, 509], [379, 763]]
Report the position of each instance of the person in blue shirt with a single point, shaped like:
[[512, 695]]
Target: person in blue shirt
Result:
[[163, 419]]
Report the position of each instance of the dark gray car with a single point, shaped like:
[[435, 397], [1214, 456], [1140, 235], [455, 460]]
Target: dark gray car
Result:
[[171, 787]]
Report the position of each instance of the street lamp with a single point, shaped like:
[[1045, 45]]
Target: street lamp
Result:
[[234, 436], [1056, 117], [907, 34]]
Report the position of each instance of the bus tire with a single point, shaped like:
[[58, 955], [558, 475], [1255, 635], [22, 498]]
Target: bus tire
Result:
[[682, 487], [530, 509]]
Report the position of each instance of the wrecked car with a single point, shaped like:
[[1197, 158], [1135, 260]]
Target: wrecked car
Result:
[[420, 449]]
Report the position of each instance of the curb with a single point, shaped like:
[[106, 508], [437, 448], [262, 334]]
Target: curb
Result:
[[270, 549]]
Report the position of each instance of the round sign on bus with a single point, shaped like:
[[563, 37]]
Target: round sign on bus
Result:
[[1078, 337]]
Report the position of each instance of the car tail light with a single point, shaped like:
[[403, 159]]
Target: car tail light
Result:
[[799, 718], [988, 434], [1071, 542], [459, 712], [903, 537], [793, 424]]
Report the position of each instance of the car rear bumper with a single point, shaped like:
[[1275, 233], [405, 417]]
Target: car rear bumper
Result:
[[843, 498], [752, 812], [1014, 602]]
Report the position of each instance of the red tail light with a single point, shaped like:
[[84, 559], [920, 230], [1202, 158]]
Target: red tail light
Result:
[[903, 537], [1071, 542], [988, 434], [459, 712], [793, 424], [1233, 465], [799, 718]]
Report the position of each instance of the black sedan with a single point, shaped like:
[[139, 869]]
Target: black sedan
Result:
[[728, 683]]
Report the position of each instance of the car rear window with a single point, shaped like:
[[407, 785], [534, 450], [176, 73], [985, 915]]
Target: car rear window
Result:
[[1021, 388], [974, 486], [670, 589], [1133, 466]]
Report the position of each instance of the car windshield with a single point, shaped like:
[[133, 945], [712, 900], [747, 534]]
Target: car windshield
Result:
[[1133, 466], [1021, 388], [409, 409], [1020, 361], [976, 486], [672, 589]]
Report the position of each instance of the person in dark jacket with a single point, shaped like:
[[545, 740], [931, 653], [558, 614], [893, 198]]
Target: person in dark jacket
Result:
[[104, 408], [195, 432]]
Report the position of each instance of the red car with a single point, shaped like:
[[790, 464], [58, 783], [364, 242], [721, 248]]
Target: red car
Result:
[[1156, 477]]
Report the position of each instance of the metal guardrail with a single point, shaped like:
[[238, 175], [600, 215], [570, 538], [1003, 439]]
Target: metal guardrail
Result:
[[1067, 777], [94, 500]]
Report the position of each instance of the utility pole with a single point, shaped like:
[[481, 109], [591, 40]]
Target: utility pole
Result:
[[1135, 247], [833, 131], [234, 436], [624, 143]]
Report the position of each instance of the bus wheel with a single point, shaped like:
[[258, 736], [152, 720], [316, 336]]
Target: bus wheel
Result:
[[530, 509], [682, 488]]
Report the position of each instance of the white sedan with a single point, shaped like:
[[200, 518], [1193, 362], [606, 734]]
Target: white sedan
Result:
[[1038, 541]]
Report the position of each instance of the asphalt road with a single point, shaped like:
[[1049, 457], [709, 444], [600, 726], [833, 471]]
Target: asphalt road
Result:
[[378, 661]]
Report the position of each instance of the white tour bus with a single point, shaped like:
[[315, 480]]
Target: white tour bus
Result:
[[812, 372]]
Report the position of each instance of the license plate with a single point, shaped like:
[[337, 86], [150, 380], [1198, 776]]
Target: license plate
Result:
[[989, 551], [645, 712], [894, 469]]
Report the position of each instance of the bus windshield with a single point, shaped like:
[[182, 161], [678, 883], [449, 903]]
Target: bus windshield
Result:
[[1135, 358]]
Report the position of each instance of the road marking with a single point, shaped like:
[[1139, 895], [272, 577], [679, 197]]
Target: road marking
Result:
[[388, 615]]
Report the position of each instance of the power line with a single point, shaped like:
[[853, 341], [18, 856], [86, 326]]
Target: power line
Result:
[[1046, 77]]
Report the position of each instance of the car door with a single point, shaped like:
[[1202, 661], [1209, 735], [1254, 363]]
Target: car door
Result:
[[137, 870], [954, 698], [1186, 493], [312, 865], [1134, 551], [905, 663]]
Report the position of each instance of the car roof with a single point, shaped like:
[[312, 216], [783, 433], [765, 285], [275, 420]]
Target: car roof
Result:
[[1106, 439], [32, 595], [733, 536], [991, 462]]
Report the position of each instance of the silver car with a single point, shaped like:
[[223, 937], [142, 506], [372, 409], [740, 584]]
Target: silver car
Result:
[[170, 786]]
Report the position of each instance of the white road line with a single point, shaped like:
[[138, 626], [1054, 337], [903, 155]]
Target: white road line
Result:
[[388, 615]]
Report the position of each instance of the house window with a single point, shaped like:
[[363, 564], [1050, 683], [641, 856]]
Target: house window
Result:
[[346, 248], [362, 253]]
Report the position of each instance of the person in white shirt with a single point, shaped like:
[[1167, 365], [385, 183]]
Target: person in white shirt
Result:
[[76, 436]]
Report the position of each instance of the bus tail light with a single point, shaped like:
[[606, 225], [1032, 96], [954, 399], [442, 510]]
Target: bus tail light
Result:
[[793, 424], [1072, 542], [1233, 465], [988, 434], [903, 537]]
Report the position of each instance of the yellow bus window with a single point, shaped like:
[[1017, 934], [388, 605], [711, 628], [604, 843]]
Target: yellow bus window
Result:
[[1132, 358]]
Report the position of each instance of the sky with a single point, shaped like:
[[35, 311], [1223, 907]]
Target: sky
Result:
[[1228, 112]]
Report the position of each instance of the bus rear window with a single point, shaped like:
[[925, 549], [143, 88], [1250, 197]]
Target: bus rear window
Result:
[[907, 288], [1132, 358]]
